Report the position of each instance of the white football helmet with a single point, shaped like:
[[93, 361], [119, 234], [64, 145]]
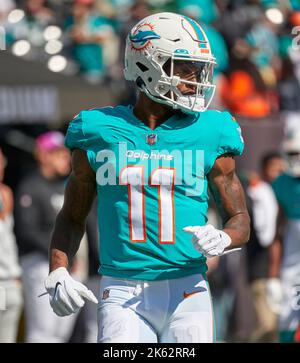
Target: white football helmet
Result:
[[164, 37], [291, 152]]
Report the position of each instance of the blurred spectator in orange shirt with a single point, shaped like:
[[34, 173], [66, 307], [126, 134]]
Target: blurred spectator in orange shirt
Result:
[[242, 95]]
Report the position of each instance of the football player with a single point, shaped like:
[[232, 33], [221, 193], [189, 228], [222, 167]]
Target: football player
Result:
[[151, 165]]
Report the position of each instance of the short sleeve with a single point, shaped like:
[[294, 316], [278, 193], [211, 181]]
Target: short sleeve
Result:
[[231, 139], [75, 137]]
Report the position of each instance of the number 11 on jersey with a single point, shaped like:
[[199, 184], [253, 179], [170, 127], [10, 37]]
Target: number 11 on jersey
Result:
[[161, 178]]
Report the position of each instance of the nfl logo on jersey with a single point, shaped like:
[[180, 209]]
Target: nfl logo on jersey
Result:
[[151, 139]]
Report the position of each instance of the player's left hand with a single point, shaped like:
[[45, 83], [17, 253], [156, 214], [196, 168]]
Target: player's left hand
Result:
[[208, 240]]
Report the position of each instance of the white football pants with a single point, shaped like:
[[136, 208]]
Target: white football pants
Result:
[[166, 311]]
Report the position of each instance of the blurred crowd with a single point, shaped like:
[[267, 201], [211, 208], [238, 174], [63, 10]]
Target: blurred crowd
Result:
[[255, 42], [257, 77]]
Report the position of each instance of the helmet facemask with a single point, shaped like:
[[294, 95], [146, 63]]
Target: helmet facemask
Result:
[[185, 83]]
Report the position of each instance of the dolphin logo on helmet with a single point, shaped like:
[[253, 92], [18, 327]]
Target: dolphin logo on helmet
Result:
[[143, 37]]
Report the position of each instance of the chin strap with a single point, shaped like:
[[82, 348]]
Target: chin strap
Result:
[[189, 101], [185, 101]]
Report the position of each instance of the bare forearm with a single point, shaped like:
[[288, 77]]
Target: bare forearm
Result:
[[230, 200], [65, 241], [275, 252], [238, 229], [275, 249], [71, 221]]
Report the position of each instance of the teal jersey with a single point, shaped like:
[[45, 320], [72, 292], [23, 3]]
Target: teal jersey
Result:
[[151, 184], [287, 191]]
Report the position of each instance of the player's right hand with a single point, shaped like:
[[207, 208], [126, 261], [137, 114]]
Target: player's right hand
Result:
[[66, 294], [274, 294]]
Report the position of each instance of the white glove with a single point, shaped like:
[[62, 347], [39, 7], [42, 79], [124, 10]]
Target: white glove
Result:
[[274, 294], [209, 241], [66, 294]]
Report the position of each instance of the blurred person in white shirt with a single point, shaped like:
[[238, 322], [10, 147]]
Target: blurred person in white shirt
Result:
[[284, 284], [264, 215], [11, 299]]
